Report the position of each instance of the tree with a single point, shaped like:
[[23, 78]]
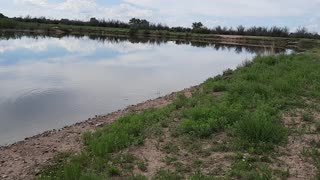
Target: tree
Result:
[[197, 25], [2, 16], [240, 30], [139, 23], [94, 21]]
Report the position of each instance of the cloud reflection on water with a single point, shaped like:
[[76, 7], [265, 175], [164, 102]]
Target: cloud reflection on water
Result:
[[75, 78]]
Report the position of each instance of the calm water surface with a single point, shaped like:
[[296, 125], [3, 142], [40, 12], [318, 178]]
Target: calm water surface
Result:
[[47, 82]]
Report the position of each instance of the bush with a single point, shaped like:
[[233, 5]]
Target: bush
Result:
[[261, 127]]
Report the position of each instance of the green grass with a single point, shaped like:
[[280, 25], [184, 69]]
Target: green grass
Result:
[[251, 101]]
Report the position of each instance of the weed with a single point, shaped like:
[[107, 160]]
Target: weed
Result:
[[142, 165], [170, 159], [113, 171], [171, 148], [307, 116], [166, 175]]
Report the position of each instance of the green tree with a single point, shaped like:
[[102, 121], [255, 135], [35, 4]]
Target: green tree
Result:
[[240, 30], [2, 16], [197, 25], [139, 23], [94, 21]]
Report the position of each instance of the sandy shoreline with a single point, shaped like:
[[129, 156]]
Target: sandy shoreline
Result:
[[23, 160]]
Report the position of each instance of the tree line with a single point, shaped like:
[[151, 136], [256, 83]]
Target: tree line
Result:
[[136, 24]]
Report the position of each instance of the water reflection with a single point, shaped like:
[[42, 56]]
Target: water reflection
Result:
[[49, 82]]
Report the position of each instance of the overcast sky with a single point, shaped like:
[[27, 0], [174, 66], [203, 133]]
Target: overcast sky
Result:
[[290, 13]]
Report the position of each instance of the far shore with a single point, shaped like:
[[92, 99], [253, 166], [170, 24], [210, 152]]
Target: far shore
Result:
[[253, 41]]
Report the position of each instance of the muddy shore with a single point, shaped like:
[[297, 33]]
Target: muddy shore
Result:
[[24, 159]]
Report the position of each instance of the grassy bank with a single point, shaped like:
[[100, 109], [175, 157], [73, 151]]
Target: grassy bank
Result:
[[239, 125]]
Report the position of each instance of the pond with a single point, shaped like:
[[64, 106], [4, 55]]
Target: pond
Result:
[[49, 82]]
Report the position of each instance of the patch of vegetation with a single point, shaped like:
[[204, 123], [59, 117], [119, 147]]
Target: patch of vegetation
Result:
[[166, 175], [248, 110], [314, 153], [307, 116], [251, 167]]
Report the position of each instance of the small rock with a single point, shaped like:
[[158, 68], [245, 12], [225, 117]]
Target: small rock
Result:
[[37, 171], [99, 124], [4, 176]]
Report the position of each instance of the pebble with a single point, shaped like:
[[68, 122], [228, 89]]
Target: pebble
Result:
[[4, 176], [99, 124]]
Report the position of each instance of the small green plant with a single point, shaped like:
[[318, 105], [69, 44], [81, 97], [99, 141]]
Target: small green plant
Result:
[[142, 165], [114, 171], [166, 175], [307, 116], [171, 148]]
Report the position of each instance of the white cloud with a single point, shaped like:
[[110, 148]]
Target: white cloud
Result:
[[71, 44], [33, 2], [313, 24], [81, 9], [231, 8], [292, 13]]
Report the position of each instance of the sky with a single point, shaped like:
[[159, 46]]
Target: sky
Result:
[[290, 13]]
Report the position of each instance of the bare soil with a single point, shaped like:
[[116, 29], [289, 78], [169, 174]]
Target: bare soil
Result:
[[292, 158]]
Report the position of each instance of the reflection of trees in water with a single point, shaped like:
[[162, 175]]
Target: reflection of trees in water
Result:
[[153, 41]]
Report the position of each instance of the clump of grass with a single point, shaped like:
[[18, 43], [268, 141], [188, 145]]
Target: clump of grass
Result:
[[246, 167], [314, 153], [180, 101], [128, 130], [113, 171], [198, 175], [171, 148], [307, 116], [142, 166], [261, 128], [166, 174], [170, 159]]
